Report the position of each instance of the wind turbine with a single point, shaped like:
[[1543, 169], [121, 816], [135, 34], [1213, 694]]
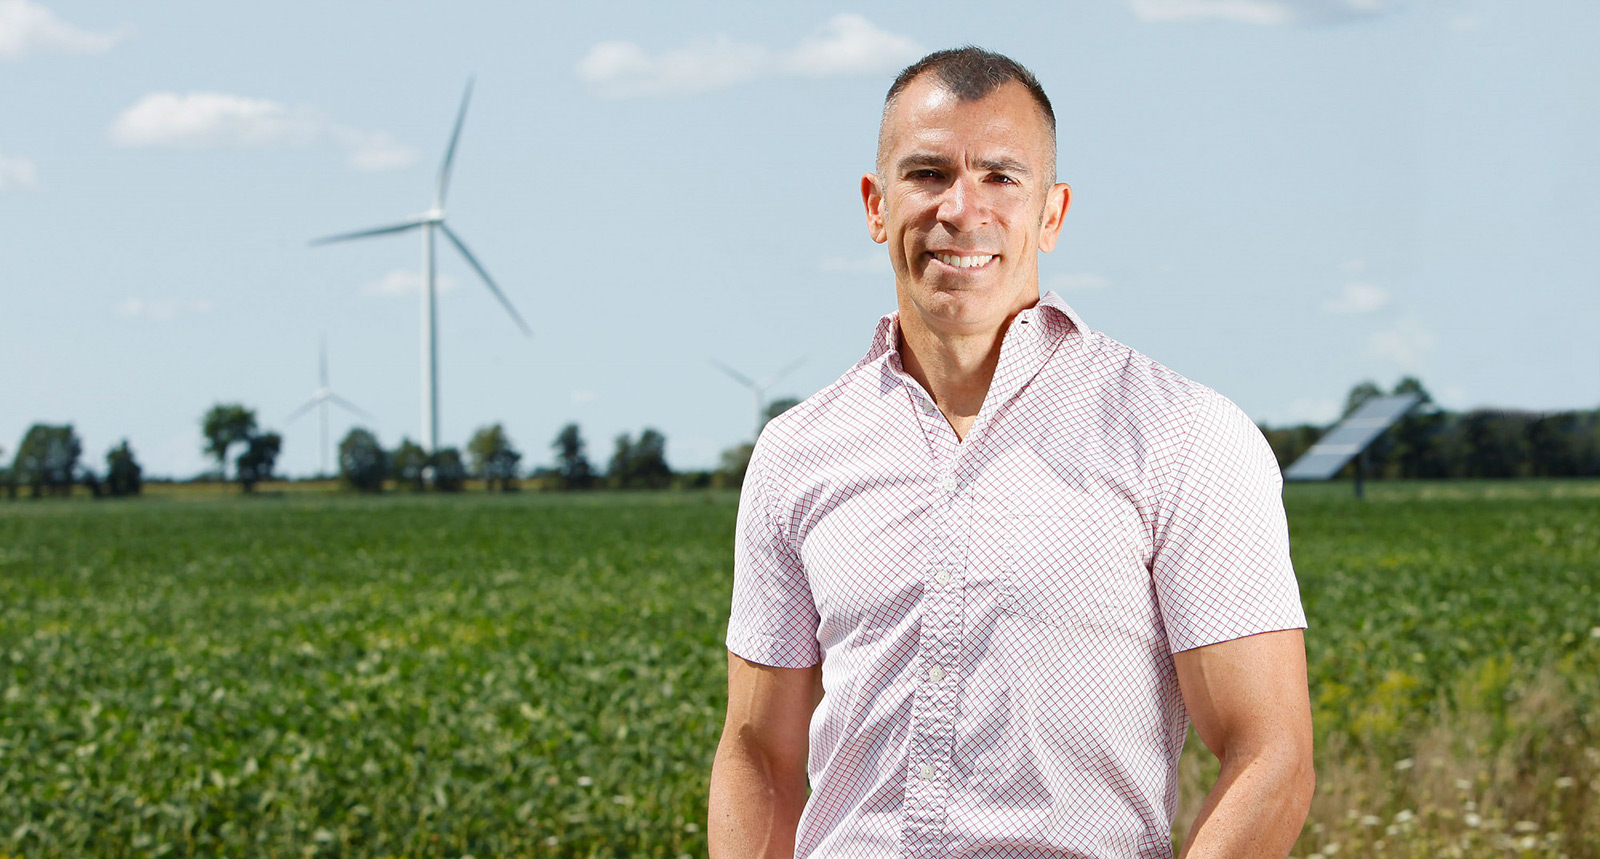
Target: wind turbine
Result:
[[428, 221], [321, 397], [758, 388]]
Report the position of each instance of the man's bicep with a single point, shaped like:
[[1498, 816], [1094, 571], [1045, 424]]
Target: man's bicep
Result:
[[1248, 692], [771, 708]]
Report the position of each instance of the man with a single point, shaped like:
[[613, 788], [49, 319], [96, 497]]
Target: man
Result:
[[984, 580]]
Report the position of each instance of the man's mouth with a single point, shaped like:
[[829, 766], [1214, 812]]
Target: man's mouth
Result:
[[958, 261]]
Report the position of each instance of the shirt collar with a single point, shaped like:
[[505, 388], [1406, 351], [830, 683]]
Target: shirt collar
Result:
[[1050, 309]]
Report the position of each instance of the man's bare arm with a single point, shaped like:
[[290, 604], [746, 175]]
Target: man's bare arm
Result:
[[758, 781], [1249, 704]]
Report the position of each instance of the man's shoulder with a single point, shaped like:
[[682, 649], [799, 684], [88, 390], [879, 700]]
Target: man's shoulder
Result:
[[826, 413], [1133, 381]]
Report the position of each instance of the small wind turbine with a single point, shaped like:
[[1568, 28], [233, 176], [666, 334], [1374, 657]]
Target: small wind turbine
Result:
[[321, 397], [429, 221], [759, 389]]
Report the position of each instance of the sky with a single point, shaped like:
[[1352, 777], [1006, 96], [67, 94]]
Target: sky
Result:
[[1277, 198]]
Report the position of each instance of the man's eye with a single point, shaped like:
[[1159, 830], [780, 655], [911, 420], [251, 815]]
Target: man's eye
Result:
[[1002, 179], [923, 174]]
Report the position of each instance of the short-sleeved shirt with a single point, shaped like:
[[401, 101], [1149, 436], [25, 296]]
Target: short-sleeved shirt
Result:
[[995, 616]]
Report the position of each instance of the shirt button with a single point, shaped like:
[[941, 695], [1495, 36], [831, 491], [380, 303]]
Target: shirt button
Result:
[[949, 483], [942, 577], [925, 770], [936, 674]]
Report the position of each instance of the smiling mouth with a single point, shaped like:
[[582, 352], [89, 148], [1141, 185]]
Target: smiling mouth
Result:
[[958, 261]]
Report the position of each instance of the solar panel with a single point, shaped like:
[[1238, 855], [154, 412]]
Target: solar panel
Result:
[[1346, 441]]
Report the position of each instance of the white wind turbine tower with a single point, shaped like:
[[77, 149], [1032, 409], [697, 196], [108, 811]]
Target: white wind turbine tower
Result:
[[321, 397], [428, 221], [759, 389]]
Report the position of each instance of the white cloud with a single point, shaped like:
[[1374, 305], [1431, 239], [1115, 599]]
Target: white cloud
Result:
[[1078, 281], [846, 45], [580, 398], [1357, 297], [17, 175], [1271, 13], [851, 45], [209, 119], [372, 151], [28, 28], [163, 309], [625, 70], [1407, 344], [875, 263], [205, 120], [404, 282], [1311, 410]]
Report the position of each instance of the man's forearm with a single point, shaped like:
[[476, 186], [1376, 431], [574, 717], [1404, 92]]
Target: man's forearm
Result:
[[1255, 810], [754, 810]]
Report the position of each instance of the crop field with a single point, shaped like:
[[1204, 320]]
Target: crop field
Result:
[[537, 675]]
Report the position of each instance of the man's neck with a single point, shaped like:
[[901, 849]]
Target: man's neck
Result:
[[955, 369]]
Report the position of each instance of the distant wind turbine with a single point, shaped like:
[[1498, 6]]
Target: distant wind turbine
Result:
[[759, 389], [321, 398], [429, 221]]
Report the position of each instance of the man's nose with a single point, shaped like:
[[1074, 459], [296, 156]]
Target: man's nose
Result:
[[963, 207]]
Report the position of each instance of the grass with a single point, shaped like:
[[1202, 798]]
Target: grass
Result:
[[302, 674]]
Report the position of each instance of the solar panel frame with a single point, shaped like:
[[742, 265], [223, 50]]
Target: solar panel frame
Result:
[[1352, 436]]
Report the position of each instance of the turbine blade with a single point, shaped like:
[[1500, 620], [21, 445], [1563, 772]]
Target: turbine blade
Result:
[[735, 374], [294, 416], [489, 281], [443, 185], [411, 224], [322, 366], [348, 406]]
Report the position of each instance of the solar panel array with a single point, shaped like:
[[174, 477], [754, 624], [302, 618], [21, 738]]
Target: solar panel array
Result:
[[1346, 441]]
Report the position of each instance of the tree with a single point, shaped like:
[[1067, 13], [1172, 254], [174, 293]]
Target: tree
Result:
[[1412, 385], [256, 463], [47, 459], [362, 463], [409, 463], [573, 470], [493, 458], [1497, 443], [124, 476], [778, 407], [449, 474], [225, 425], [1358, 397], [735, 461], [641, 464]]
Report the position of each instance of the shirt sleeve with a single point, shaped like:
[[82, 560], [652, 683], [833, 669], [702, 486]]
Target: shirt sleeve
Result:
[[774, 620], [1221, 567]]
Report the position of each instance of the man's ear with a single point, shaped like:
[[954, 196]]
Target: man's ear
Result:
[[872, 196], [1055, 211]]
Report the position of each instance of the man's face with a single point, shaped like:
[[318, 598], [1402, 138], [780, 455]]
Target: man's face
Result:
[[965, 202]]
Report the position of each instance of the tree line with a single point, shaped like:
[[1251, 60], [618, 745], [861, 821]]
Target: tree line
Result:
[[1431, 443], [48, 461]]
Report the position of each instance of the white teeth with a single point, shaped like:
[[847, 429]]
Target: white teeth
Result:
[[964, 262]]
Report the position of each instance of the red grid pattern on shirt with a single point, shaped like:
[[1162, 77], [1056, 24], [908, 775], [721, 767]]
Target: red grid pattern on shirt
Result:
[[995, 616]]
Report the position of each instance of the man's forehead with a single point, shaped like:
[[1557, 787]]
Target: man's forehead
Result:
[[926, 110]]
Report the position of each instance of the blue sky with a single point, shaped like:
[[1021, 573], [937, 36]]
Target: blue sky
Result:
[[1278, 198]]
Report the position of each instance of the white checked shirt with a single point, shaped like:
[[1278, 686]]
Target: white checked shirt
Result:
[[996, 616]]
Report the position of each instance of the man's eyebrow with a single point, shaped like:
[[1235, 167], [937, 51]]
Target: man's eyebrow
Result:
[[1004, 165], [921, 159], [915, 160]]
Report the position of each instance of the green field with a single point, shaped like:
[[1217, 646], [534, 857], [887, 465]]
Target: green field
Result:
[[542, 675]]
